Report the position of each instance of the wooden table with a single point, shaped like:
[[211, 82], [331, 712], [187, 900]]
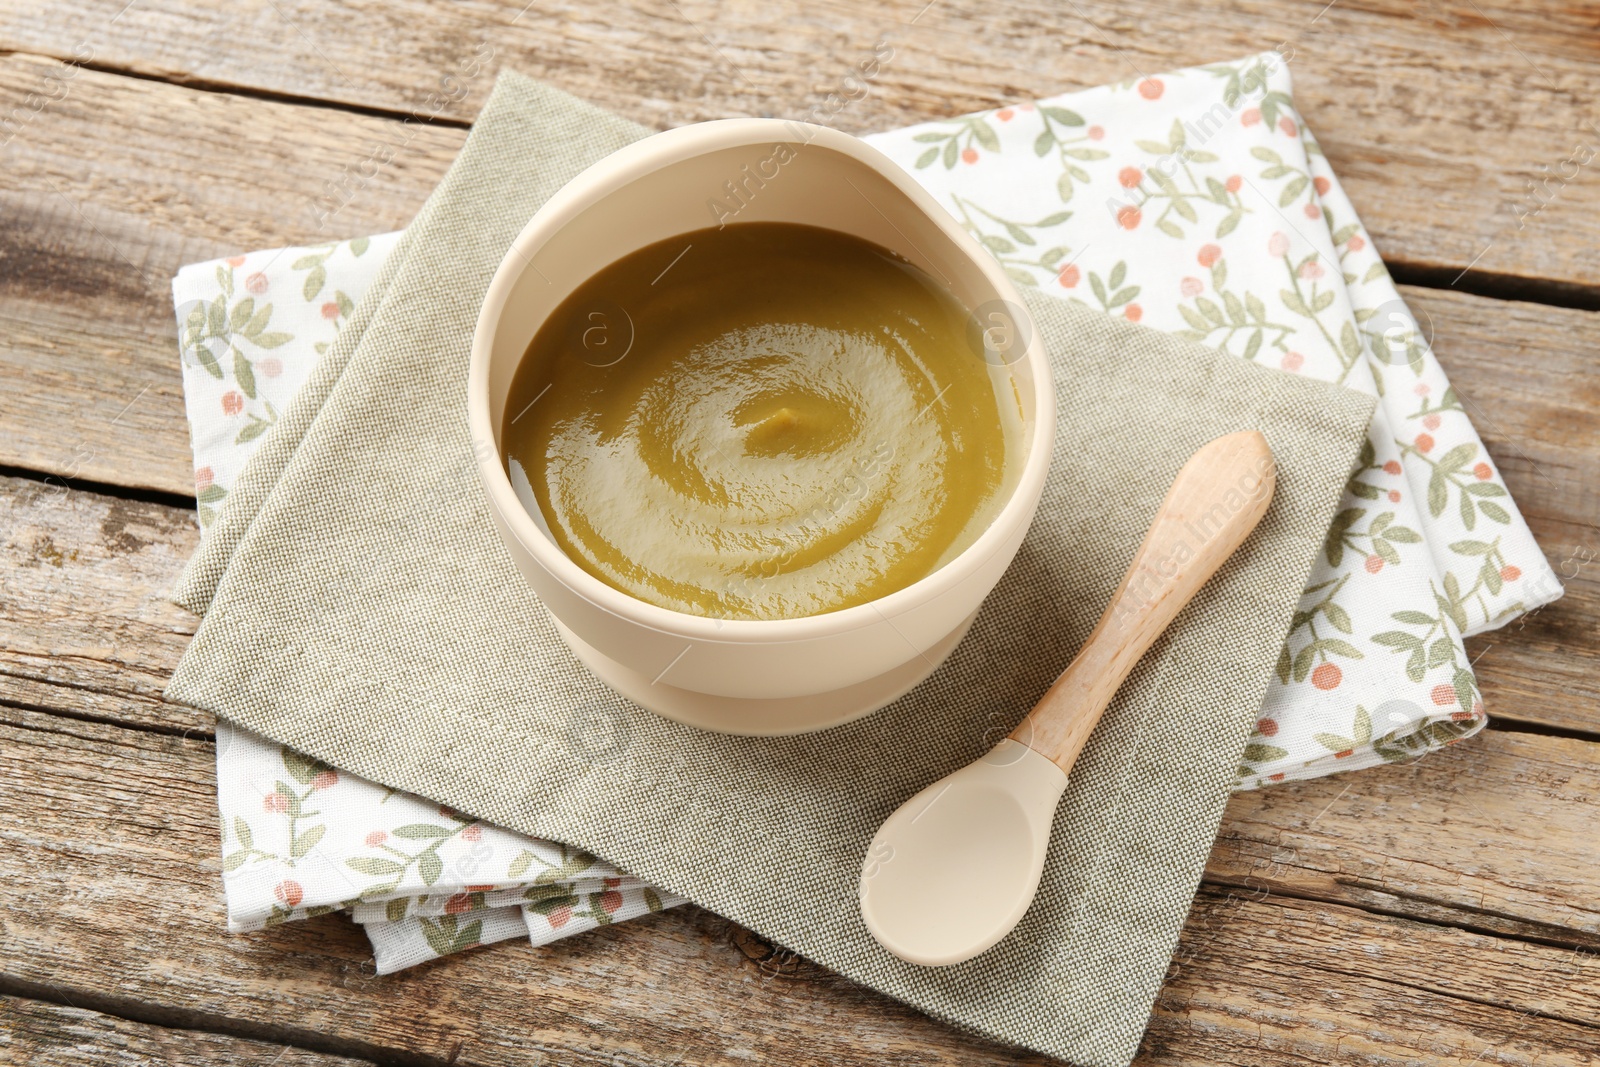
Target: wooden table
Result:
[[1444, 911]]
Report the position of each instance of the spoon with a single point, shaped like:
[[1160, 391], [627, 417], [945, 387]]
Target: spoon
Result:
[[956, 866]]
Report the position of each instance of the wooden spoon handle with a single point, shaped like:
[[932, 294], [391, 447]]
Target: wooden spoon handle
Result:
[[1214, 503]]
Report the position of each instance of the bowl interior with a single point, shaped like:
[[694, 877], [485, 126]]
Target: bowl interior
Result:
[[738, 171]]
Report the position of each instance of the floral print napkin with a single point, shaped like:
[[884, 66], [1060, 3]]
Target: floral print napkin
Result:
[[1194, 202], [302, 839]]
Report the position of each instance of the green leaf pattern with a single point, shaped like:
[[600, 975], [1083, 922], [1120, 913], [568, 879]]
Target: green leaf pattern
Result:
[[1213, 214], [312, 840], [244, 327]]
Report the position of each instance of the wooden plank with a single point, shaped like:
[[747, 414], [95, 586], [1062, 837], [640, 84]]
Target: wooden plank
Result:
[[118, 830], [83, 582], [40, 1033], [95, 636], [89, 381], [1527, 375], [1279, 980], [128, 903], [1438, 119], [1494, 833], [88, 378]]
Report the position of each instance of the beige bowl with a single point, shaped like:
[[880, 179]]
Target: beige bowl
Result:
[[753, 676]]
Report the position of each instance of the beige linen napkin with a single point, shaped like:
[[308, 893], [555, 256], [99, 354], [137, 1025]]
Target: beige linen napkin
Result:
[[365, 613]]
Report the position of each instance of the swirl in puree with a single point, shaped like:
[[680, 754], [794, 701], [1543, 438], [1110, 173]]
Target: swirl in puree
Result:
[[762, 421]]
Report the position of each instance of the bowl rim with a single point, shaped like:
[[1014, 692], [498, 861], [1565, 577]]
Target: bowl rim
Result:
[[612, 173]]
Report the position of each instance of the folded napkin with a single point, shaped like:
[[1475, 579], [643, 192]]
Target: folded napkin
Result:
[[312, 291], [368, 616], [303, 839], [255, 326], [1197, 202]]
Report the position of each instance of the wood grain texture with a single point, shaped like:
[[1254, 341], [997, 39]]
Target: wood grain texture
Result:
[[89, 629], [1529, 377], [1436, 117], [1263, 975], [1494, 833], [39, 1032], [89, 382], [1439, 911], [1280, 980], [94, 635]]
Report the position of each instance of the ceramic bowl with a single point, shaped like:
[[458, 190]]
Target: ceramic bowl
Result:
[[754, 676]]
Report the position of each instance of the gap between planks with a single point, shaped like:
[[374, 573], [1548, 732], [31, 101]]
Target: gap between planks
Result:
[[1504, 75], [96, 1030], [1236, 866], [77, 317], [202, 733], [1446, 275]]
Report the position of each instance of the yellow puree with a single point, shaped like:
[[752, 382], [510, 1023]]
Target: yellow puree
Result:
[[780, 421]]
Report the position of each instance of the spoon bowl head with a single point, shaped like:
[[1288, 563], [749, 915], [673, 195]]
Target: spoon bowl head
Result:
[[956, 866]]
